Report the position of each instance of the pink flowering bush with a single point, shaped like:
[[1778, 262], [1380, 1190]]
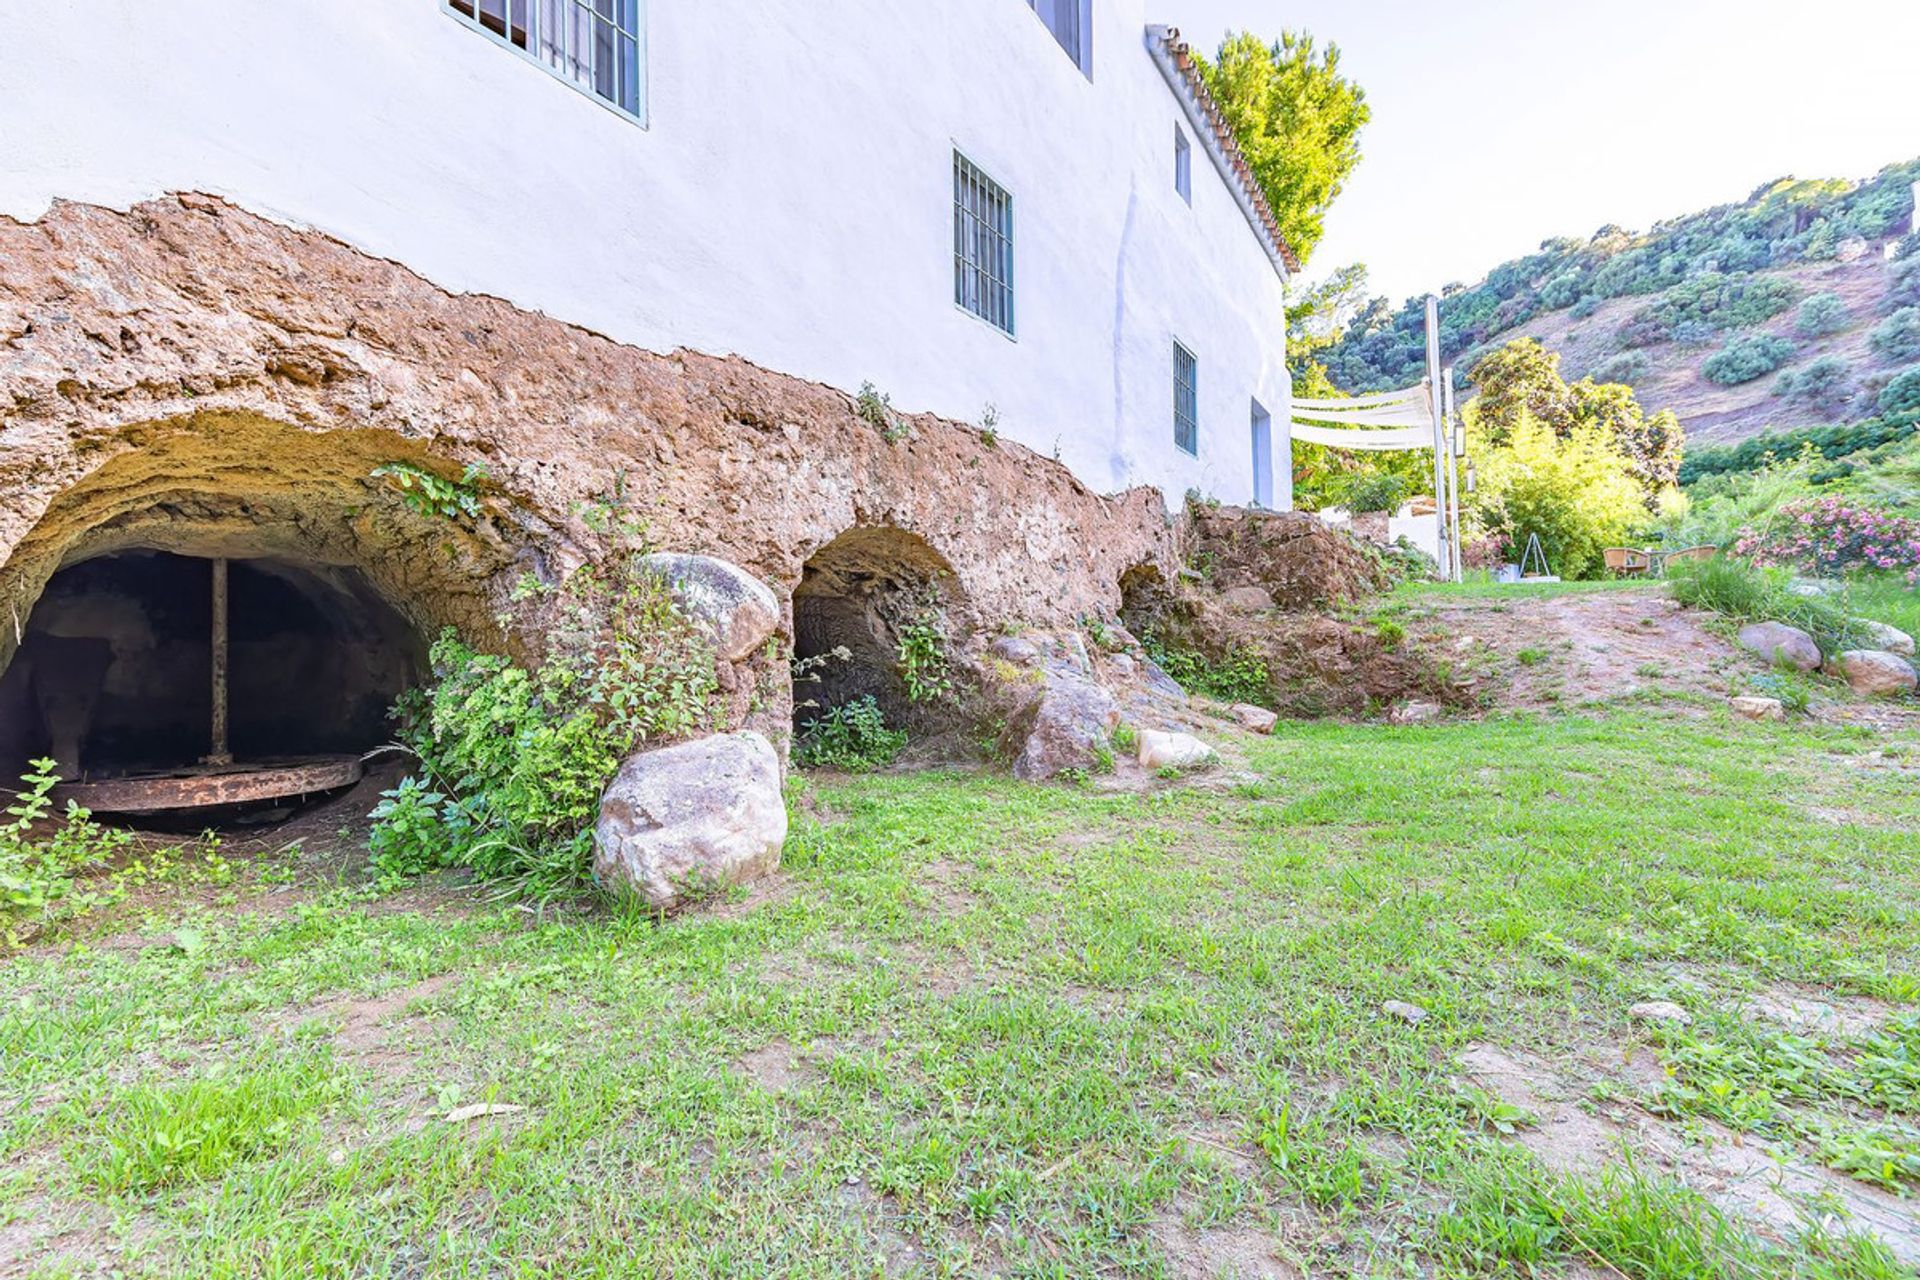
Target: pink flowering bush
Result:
[[1826, 536]]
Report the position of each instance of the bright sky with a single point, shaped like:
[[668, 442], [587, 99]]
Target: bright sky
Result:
[[1500, 123]]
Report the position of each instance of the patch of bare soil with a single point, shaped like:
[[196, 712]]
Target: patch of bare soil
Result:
[[1768, 1186], [370, 1028], [1219, 1253], [1562, 651]]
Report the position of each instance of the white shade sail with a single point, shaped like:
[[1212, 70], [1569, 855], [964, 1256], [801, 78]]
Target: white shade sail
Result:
[[1373, 441], [1351, 424]]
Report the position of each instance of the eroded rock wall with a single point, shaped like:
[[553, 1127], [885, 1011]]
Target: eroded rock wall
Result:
[[188, 376]]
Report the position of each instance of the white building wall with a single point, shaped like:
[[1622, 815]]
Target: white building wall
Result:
[[790, 199]]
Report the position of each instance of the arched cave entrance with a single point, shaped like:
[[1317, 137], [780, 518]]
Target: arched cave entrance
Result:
[[114, 676], [860, 597]]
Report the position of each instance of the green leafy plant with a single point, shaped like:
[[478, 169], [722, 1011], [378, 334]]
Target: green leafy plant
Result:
[[1820, 315], [853, 736], [1743, 592], [1376, 491], [1241, 676], [518, 756], [1898, 336], [429, 494], [922, 655], [40, 858], [875, 408]]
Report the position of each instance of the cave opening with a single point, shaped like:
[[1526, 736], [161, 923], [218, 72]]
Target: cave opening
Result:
[[129, 670], [860, 598]]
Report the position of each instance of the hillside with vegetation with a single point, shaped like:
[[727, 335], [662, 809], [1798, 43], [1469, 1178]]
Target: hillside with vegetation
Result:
[[1797, 307]]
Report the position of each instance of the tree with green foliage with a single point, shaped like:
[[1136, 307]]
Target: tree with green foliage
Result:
[[1902, 395], [1297, 120], [1575, 489], [1521, 381], [1824, 382]]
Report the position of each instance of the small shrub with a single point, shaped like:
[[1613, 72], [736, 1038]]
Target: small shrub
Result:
[[1531, 656], [1788, 685], [1242, 676], [1820, 315], [1824, 382], [1903, 283], [1902, 395], [1624, 367], [1897, 337], [37, 872], [1745, 358], [1585, 307], [1829, 537], [519, 756], [922, 655], [875, 408], [853, 736]]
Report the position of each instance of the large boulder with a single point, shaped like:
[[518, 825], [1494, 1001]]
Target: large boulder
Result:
[[733, 606], [682, 820], [1072, 722], [1877, 673], [1886, 638], [1777, 642]]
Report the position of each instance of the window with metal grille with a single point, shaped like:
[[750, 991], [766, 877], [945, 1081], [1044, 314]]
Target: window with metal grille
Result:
[[1186, 401], [982, 245], [1182, 164], [1071, 22], [597, 46]]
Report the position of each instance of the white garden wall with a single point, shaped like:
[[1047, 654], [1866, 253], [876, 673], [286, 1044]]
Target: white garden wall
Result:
[[789, 199]]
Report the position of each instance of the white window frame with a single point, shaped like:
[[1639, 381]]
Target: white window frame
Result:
[[531, 56], [1081, 57], [1182, 164], [1010, 330]]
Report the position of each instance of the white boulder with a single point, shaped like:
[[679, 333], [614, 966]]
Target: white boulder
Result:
[[1177, 750], [1888, 639], [687, 818], [1757, 708]]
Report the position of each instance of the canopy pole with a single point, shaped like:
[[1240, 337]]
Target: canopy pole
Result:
[[221, 754], [1456, 444], [1436, 399]]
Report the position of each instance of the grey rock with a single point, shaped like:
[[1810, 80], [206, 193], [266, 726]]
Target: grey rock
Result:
[[1180, 750], [1888, 639], [1156, 681], [1877, 673], [1071, 725], [735, 608], [1659, 1011], [1121, 664], [689, 817], [1021, 653], [1411, 1014], [1777, 642]]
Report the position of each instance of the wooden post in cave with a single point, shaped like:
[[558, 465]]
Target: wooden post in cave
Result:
[[221, 753]]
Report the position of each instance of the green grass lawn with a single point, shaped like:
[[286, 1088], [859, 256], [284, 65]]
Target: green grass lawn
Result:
[[1886, 597], [978, 1027]]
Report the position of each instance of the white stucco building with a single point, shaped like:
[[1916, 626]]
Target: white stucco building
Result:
[[1015, 203]]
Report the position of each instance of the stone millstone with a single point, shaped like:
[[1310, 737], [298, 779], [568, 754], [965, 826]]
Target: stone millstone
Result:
[[689, 818]]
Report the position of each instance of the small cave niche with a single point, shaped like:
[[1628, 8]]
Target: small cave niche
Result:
[[857, 598], [1144, 600], [113, 678]]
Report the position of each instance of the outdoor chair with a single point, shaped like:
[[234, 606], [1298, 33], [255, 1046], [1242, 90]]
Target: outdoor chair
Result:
[[1623, 562]]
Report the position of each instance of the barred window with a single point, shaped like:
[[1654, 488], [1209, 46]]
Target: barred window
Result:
[[594, 45], [982, 245], [1186, 401]]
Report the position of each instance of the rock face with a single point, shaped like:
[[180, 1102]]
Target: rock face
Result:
[[1888, 639], [1876, 673], [691, 817], [1756, 708], [1072, 722], [1292, 556], [1172, 750], [733, 606], [190, 377], [1777, 642]]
